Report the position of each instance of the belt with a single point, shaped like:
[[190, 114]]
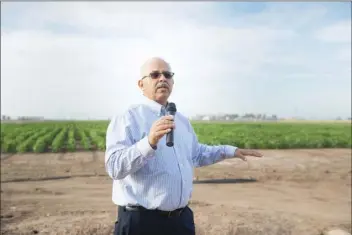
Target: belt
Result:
[[173, 213]]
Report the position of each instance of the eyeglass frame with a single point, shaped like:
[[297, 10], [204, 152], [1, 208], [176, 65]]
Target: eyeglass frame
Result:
[[159, 74]]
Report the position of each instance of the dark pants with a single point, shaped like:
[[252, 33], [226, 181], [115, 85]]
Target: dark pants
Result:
[[149, 222]]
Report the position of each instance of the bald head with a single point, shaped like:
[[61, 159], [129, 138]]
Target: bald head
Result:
[[152, 64], [156, 79]]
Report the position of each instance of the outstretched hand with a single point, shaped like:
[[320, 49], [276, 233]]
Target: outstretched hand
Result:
[[243, 153]]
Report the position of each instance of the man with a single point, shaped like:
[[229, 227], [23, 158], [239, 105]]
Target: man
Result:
[[152, 183]]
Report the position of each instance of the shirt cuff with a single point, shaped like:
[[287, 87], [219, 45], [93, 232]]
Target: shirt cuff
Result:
[[230, 151], [145, 149]]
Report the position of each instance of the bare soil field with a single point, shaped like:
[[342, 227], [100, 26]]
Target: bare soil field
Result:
[[294, 192]]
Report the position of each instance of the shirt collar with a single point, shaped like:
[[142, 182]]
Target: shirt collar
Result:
[[155, 106]]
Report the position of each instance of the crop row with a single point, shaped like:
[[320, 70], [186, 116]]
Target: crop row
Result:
[[276, 135], [52, 137], [76, 136]]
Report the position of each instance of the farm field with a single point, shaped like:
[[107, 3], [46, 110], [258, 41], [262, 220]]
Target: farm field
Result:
[[53, 180], [90, 136], [288, 192]]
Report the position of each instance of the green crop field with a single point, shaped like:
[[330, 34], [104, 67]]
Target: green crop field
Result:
[[85, 135]]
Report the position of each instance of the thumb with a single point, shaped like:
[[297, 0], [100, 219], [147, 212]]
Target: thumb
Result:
[[242, 157]]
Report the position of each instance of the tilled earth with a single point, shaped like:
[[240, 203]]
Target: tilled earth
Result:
[[286, 192]]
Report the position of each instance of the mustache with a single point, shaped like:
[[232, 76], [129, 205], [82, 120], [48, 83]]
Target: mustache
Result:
[[162, 85]]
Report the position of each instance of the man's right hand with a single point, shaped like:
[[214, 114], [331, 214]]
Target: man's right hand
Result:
[[159, 128]]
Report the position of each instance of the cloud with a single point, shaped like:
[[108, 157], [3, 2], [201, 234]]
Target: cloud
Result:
[[339, 32], [80, 59]]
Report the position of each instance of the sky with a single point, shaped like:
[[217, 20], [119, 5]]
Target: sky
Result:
[[81, 59]]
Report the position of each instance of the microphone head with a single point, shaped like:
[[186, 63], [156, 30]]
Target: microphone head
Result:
[[171, 107]]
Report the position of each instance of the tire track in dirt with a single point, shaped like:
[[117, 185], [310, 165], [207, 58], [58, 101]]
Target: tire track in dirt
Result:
[[81, 212], [225, 181], [210, 181], [52, 178]]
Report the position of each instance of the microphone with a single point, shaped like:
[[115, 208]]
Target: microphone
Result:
[[170, 110]]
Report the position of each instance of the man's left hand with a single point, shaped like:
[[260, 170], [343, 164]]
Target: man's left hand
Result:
[[243, 153]]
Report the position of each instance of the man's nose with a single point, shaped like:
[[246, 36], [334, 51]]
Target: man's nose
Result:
[[162, 78]]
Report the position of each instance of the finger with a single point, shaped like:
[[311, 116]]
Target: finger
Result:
[[255, 153], [163, 122], [252, 153], [167, 117], [238, 154], [161, 133], [242, 157], [165, 127], [167, 121]]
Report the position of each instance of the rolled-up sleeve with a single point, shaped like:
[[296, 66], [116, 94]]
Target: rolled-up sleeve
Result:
[[124, 155]]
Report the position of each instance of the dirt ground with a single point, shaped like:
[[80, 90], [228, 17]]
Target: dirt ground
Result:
[[287, 192]]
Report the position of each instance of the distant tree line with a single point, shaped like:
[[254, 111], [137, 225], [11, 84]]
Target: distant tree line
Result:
[[218, 117], [5, 117], [233, 117], [247, 116]]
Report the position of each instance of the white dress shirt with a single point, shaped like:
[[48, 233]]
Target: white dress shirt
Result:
[[161, 178]]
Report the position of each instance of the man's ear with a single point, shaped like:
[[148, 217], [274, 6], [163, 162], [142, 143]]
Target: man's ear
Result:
[[140, 84]]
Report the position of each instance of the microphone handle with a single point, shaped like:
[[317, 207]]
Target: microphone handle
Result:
[[170, 138], [170, 135]]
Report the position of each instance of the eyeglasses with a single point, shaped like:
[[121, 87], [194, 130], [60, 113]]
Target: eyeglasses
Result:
[[157, 74]]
